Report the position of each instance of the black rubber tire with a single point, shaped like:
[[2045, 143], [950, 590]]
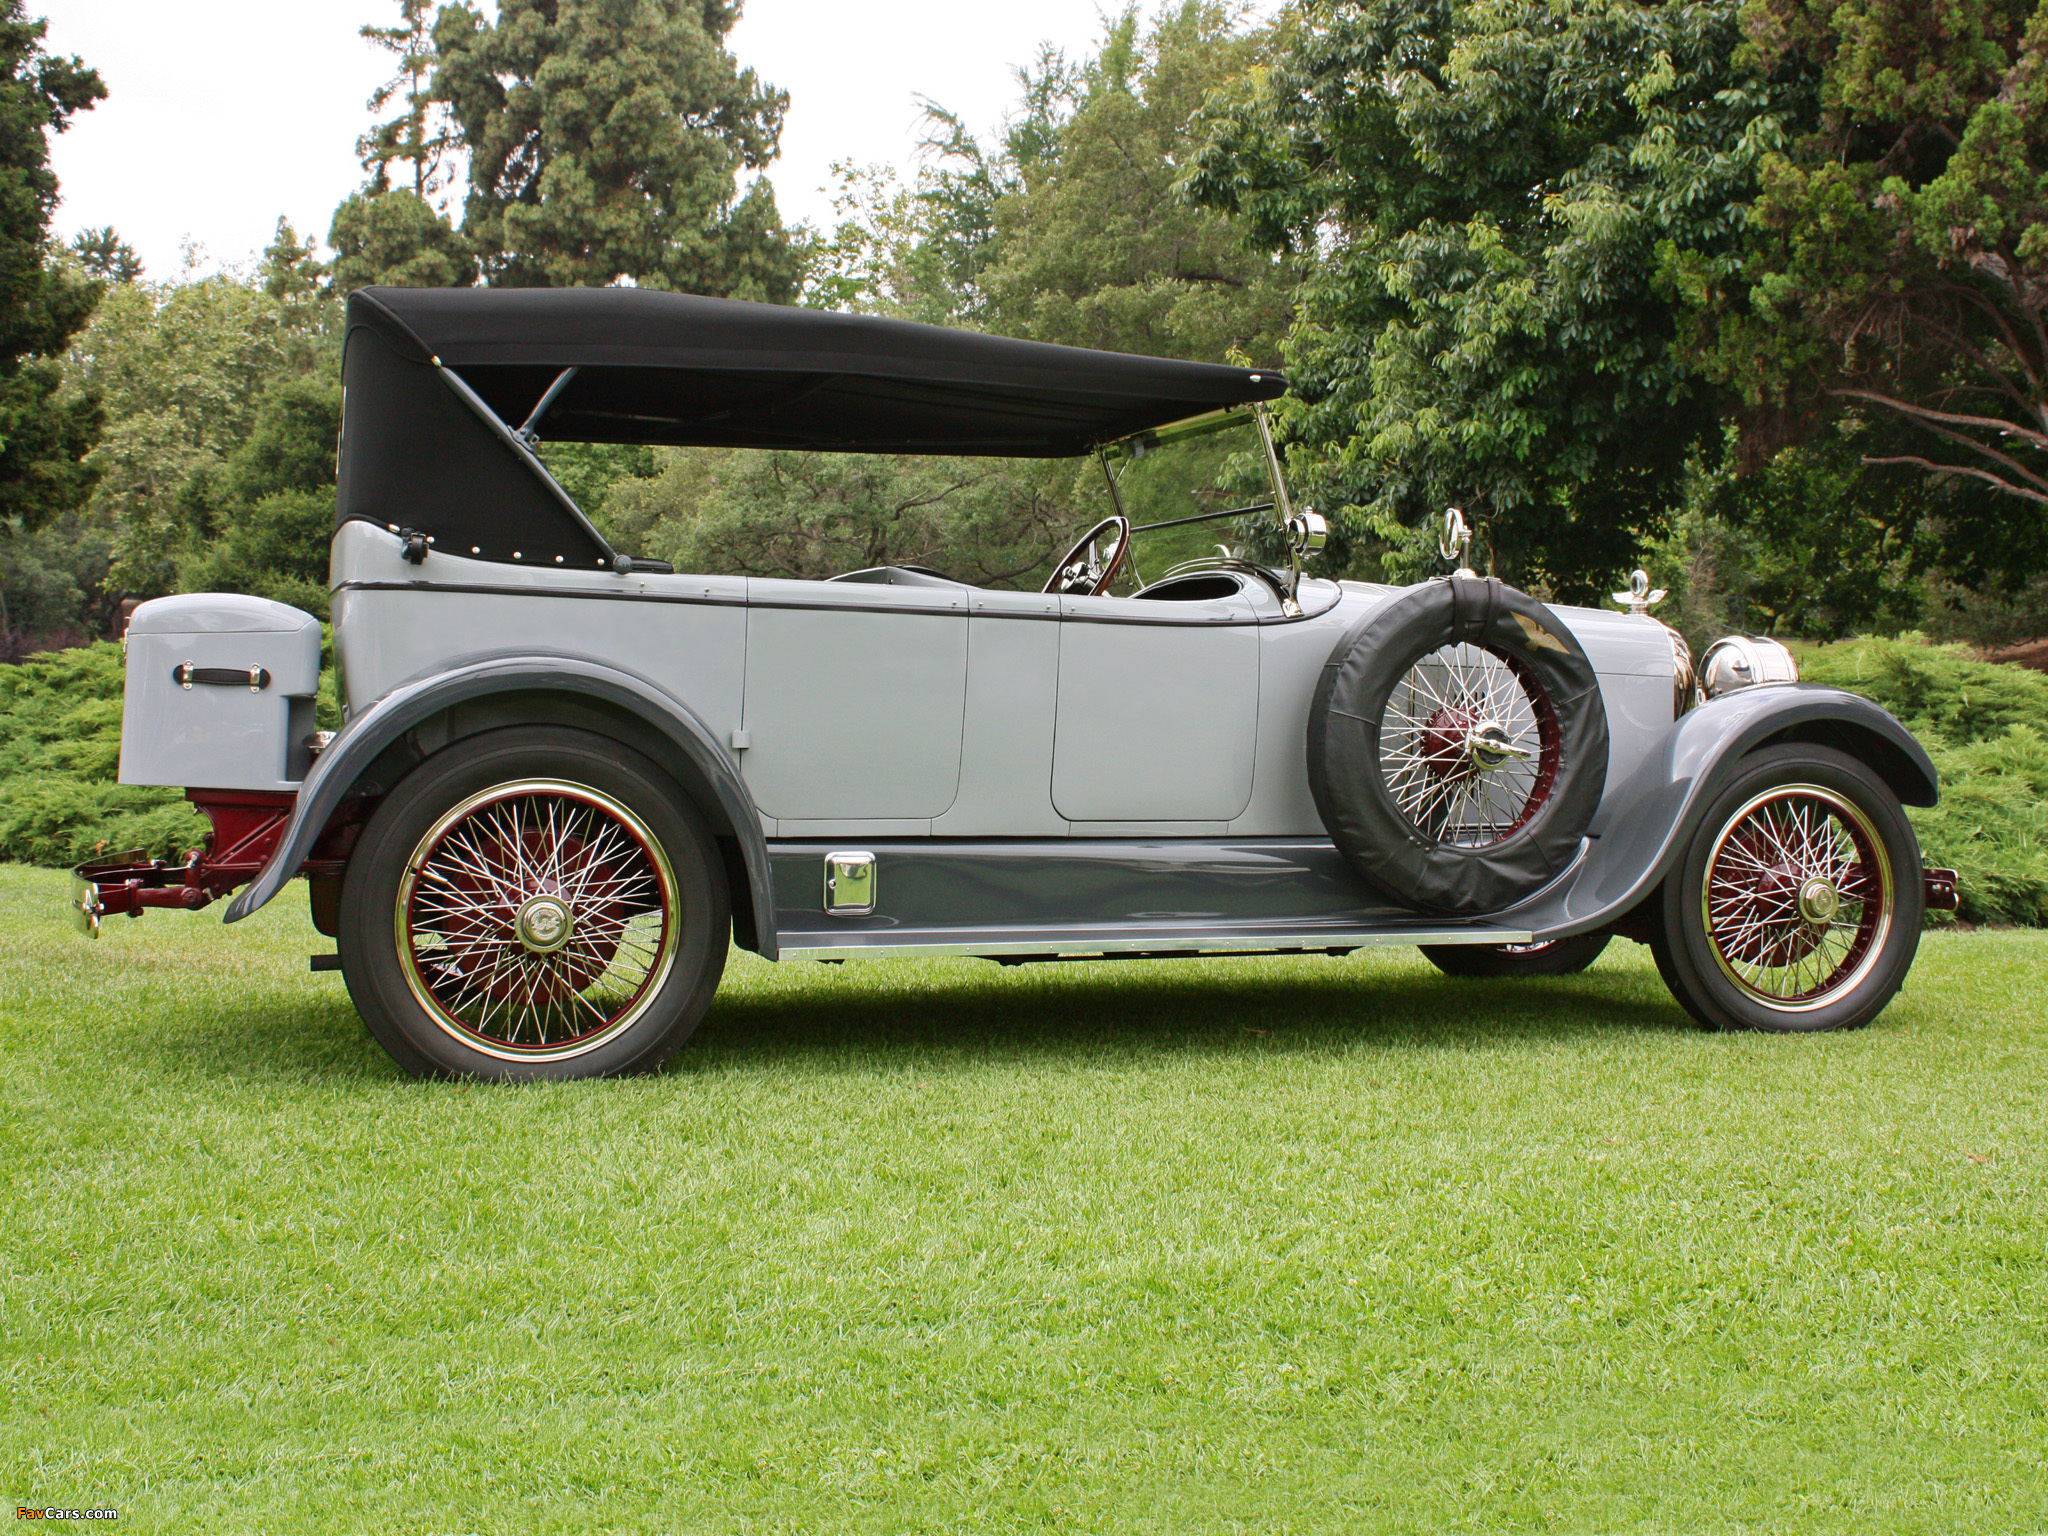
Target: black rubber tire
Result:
[[369, 946], [1351, 791], [1559, 957], [1685, 954]]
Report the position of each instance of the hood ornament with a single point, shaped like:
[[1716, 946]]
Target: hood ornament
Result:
[[1639, 599]]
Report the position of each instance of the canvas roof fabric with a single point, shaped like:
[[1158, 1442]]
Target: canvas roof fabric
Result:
[[436, 380], [680, 369]]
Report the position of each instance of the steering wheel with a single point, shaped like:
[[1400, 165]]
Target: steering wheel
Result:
[[1084, 570]]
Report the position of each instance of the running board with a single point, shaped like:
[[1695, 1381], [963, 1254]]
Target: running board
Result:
[[1160, 942]]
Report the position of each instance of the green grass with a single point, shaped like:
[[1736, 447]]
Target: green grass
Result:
[[1271, 1245]]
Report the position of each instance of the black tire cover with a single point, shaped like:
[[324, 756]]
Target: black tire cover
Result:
[[1351, 792]]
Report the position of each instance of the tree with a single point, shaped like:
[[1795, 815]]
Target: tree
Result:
[[605, 140], [197, 376], [400, 239], [44, 433], [1093, 246], [1896, 259], [920, 252], [1482, 191], [806, 516], [106, 255], [419, 137], [1068, 227]]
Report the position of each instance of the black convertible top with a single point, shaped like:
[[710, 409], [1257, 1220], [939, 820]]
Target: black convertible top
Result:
[[436, 378]]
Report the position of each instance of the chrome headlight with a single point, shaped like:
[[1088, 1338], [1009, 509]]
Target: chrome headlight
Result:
[[1745, 661]]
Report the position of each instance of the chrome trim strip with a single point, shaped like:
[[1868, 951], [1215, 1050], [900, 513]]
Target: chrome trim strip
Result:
[[477, 590]]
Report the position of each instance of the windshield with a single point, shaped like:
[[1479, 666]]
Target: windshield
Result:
[[1197, 491]]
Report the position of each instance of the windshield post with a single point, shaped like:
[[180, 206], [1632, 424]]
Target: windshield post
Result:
[[1116, 502], [1281, 504]]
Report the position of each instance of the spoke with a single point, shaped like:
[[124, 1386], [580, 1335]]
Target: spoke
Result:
[[477, 875], [1760, 867]]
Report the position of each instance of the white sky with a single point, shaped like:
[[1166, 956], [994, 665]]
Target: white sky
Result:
[[223, 114]]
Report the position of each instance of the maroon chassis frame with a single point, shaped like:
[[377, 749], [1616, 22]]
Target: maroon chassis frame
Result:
[[247, 827]]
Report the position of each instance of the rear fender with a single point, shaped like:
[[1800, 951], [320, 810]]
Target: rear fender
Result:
[[1646, 823], [719, 791]]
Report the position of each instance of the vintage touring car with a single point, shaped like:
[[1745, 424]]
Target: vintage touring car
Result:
[[568, 778]]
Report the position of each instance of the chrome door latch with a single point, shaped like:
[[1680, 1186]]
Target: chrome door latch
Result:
[[849, 885]]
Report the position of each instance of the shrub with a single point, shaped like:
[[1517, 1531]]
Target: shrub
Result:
[[60, 747], [60, 753], [1985, 724]]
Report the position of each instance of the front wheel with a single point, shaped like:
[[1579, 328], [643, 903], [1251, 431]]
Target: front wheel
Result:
[[1798, 905], [533, 903]]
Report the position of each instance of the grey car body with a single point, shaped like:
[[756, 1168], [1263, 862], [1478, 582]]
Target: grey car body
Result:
[[999, 773], [924, 724]]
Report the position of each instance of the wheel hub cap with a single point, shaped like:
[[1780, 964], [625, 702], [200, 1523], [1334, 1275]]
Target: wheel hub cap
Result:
[[1490, 747], [1446, 742], [1818, 900], [544, 924]]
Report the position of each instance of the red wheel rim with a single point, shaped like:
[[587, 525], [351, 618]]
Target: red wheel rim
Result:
[[1798, 897], [1469, 745], [537, 920]]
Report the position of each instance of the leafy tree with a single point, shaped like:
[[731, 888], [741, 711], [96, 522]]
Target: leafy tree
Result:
[[44, 433], [919, 252], [275, 547], [1897, 250], [53, 586], [605, 138], [419, 137], [1092, 244], [1068, 228], [400, 239], [106, 255], [813, 515], [193, 377], [893, 251], [1482, 191]]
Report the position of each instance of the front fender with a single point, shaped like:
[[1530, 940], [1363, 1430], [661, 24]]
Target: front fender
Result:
[[1645, 824], [352, 751]]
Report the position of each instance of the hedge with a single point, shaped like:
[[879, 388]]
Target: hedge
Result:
[[1985, 723]]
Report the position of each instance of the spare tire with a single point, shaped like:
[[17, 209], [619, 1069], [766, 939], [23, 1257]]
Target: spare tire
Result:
[[1457, 746]]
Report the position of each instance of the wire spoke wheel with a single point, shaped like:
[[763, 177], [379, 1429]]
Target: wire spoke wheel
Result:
[[1798, 896], [1469, 746], [537, 920]]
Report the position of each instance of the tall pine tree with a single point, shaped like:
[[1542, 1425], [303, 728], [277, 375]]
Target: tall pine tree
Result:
[[418, 137], [606, 138], [43, 436]]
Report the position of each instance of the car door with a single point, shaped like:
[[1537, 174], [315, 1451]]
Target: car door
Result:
[[854, 700], [1157, 719]]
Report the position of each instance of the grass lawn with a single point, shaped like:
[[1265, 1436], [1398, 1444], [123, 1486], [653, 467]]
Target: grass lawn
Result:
[[1266, 1245]]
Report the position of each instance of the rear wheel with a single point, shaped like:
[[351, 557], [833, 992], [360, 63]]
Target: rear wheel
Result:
[[1554, 957], [1798, 905], [534, 903]]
